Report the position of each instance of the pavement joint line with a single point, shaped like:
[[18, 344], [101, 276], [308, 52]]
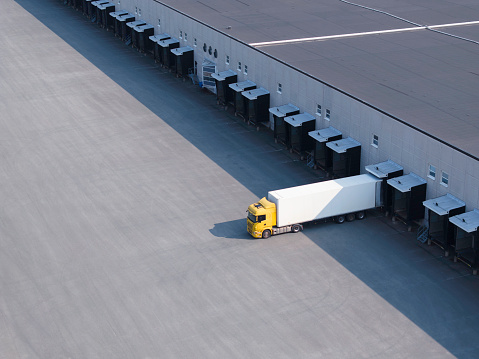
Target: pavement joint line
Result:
[[357, 34]]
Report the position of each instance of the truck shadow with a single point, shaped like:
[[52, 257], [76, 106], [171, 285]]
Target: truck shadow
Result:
[[235, 229]]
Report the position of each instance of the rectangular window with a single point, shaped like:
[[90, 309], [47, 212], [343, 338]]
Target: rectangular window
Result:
[[280, 88], [432, 172], [136, 10], [195, 42], [246, 69], [227, 59], [181, 34], [328, 114], [375, 142], [186, 36], [445, 179], [139, 12], [159, 22], [318, 110], [239, 66]]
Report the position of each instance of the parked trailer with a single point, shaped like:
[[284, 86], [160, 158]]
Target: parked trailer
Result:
[[286, 210]]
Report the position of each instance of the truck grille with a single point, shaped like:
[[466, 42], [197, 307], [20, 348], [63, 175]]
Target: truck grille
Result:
[[249, 226]]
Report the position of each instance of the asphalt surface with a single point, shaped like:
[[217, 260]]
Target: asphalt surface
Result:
[[122, 224]]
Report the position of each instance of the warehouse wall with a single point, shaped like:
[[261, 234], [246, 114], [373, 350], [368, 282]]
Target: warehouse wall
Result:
[[396, 141]]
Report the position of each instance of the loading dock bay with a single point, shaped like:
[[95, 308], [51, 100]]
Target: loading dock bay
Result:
[[123, 233]]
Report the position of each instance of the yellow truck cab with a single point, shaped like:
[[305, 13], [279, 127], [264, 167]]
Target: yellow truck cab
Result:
[[261, 218]]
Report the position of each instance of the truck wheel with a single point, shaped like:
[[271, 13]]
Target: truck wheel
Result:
[[266, 234], [295, 228], [350, 217], [340, 219], [360, 215]]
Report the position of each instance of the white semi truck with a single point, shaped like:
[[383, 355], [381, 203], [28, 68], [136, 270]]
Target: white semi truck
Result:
[[287, 209]]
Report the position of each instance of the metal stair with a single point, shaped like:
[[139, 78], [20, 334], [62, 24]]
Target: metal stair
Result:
[[128, 40], [422, 234], [310, 160]]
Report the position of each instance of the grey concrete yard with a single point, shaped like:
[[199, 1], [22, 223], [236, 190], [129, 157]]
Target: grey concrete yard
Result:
[[123, 193]]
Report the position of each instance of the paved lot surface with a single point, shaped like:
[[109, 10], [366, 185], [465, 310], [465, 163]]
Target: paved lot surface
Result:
[[122, 232]]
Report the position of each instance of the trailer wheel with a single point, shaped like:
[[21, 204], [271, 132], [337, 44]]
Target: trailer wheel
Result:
[[295, 228], [360, 215], [350, 217], [340, 219], [266, 234]]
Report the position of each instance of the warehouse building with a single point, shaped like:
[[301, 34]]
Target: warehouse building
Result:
[[402, 79]]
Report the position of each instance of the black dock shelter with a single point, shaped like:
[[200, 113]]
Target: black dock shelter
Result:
[[322, 154], [141, 36], [103, 12], [154, 47], [440, 230], [96, 12], [409, 192], [120, 25], [238, 101], [256, 106], [78, 4], [129, 33], [386, 170], [185, 61], [346, 157], [88, 8], [280, 132], [167, 59], [298, 127], [112, 16], [466, 238], [84, 7], [224, 94]]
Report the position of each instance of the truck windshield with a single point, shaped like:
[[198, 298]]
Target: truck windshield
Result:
[[252, 217]]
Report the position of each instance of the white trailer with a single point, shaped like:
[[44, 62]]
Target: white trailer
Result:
[[340, 199]]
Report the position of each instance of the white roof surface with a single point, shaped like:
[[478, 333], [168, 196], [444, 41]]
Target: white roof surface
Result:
[[442, 205], [282, 111], [381, 170], [342, 145], [325, 134], [299, 119], [468, 221], [406, 182]]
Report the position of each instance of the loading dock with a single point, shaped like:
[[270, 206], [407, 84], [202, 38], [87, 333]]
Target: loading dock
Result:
[[129, 33], [224, 94], [409, 192], [185, 61], [112, 16], [95, 11], [87, 8], [154, 47], [298, 128], [120, 25], [238, 99], [103, 11], [346, 157], [465, 244], [386, 170], [440, 231], [256, 106], [322, 154], [167, 59], [279, 126], [141, 34]]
